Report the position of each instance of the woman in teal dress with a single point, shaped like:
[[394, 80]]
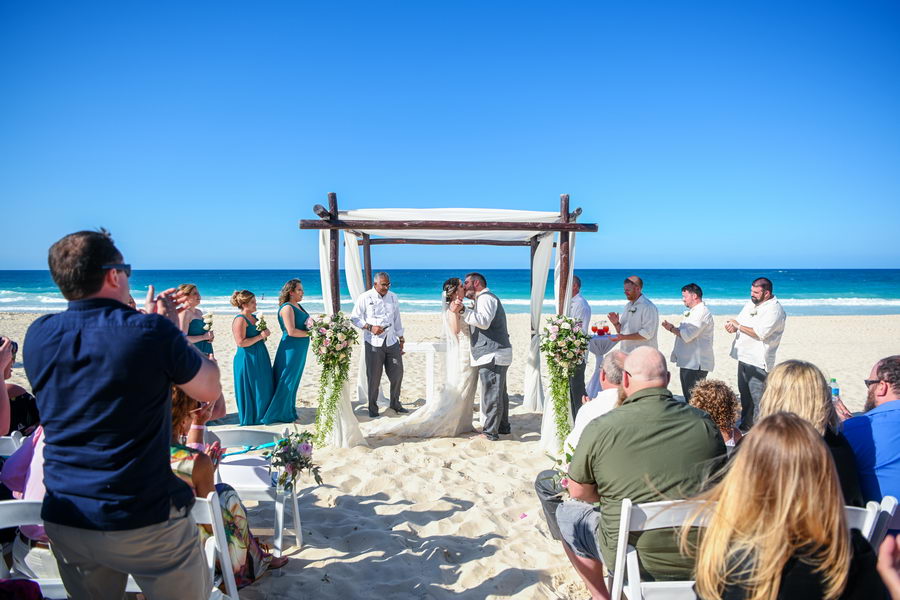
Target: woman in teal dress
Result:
[[291, 356], [191, 320], [252, 368]]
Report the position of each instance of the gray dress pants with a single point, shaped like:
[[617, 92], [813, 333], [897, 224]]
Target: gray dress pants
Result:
[[495, 399], [690, 378], [383, 359], [751, 385]]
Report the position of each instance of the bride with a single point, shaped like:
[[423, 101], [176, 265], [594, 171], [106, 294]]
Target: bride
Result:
[[451, 413]]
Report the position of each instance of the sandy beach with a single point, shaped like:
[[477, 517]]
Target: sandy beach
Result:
[[457, 517]]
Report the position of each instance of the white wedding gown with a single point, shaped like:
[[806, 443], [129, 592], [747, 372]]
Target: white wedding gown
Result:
[[450, 414]]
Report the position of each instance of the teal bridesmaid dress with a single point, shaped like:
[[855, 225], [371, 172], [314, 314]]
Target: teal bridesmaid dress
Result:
[[289, 363], [195, 327], [252, 378]]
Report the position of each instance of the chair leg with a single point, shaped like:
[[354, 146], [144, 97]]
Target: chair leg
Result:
[[279, 523], [298, 529]]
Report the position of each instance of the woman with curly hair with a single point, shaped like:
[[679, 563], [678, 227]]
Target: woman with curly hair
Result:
[[195, 464], [715, 398]]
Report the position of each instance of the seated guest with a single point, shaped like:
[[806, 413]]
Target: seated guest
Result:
[[196, 468], [23, 412], [799, 387], [6, 361], [650, 448], [716, 399], [777, 528], [875, 435], [549, 491]]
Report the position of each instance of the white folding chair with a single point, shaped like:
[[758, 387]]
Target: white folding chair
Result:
[[208, 511], [14, 513], [10, 443], [626, 576], [887, 519], [863, 519], [251, 479]]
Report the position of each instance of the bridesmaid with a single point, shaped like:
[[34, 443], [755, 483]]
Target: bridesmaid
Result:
[[291, 356], [252, 369], [191, 320]]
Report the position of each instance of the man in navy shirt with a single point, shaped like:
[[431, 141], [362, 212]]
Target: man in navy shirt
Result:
[[875, 435], [102, 373]]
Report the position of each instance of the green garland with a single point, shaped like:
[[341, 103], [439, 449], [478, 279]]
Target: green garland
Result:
[[564, 346], [333, 338], [331, 384], [559, 393]]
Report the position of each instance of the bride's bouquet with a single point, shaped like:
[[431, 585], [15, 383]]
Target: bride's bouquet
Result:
[[332, 340], [565, 346]]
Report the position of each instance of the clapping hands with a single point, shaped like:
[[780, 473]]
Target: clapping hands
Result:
[[168, 303], [614, 319]]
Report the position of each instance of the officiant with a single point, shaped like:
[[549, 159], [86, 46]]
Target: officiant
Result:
[[377, 313]]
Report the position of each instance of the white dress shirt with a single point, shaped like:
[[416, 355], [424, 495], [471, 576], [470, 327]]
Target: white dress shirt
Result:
[[374, 309], [641, 317], [694, 345], [602, 404], [481, 317], [581, 310], [767, 321]]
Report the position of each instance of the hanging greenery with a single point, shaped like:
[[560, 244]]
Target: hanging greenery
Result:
[[564, 346], [333, 338]]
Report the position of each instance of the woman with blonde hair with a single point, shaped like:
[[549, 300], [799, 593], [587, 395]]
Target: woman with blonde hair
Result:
[[800, 387], [776, 524], [252, 367], [290, 359], [191, 320]]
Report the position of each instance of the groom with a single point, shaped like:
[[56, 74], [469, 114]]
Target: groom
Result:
[[491, 353]]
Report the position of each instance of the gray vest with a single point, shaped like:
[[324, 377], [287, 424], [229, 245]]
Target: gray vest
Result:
[[495, 337]]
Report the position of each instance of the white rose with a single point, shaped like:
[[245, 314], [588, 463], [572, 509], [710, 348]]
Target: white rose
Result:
[[565, 325]]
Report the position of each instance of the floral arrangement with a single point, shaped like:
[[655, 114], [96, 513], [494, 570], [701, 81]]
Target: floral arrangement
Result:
[[291, 456], [565, 346], [332, 343], [561, 468], [261, 324], [207, 321]]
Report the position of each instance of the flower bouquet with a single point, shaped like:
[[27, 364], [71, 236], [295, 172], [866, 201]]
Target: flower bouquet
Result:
[[207, 321], [261, 324], [565, 346], [291, 456], [332, 340]]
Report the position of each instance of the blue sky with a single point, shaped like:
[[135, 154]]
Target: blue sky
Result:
[[696, 134]]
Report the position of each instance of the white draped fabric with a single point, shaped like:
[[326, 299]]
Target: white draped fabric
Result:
[[346, 432], [550, 440], [356, 285], [534, 387]]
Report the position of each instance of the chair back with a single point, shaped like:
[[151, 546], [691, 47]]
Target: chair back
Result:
[[888, 518], [237, 438], [863, 519], [208, 511], [646, 517], [14, 513], [10, 443]]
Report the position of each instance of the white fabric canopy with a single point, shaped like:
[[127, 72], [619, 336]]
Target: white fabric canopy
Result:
[[353, 273], [450, 214], [346, 432], [550, 440], [534, 387]]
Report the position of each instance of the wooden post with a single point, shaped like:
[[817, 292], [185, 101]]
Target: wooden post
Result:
[[563, 253], [367, 260], [333, 265]]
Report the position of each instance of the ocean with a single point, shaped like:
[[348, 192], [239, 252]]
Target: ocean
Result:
[[801, 291]]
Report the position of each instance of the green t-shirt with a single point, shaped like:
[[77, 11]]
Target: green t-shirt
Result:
[[651, 448]]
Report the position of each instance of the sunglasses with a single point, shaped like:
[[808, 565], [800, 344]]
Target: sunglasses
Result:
[[119, 267], [869, 382]]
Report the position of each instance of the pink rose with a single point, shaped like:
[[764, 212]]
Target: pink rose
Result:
[[564, 482]]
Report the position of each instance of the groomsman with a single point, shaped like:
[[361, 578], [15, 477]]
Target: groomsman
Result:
[[693, 352], [639, 321], [377, 313], [578, 309]]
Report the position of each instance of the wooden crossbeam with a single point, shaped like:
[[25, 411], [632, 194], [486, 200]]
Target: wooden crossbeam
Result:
[[448, 225]]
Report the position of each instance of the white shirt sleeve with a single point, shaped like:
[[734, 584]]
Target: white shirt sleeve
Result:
[[691, 327], [398, 325], [649, 322], [483, 314], [358, 316], [768, 321]]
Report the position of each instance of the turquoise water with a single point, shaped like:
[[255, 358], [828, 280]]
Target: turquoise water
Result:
[[801, 291]]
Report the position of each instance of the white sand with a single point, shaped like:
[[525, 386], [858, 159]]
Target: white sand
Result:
[[457, 517]]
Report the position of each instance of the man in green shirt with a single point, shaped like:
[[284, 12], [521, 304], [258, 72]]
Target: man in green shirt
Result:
[[651, 448]]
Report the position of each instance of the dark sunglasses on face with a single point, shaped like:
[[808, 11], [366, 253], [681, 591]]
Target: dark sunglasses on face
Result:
[[119, 267]]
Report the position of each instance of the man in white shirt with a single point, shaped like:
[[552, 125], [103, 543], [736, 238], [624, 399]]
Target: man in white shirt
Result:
[[549, 492], [377, 313], [578, 309], [759, 328], [491, 352], [638, 323], [693, 352]]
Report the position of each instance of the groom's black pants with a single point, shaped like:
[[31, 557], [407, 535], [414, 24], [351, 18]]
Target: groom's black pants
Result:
[[494, 399], [380, 359]]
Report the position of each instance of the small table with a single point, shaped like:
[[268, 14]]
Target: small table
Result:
[[430, 349]]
